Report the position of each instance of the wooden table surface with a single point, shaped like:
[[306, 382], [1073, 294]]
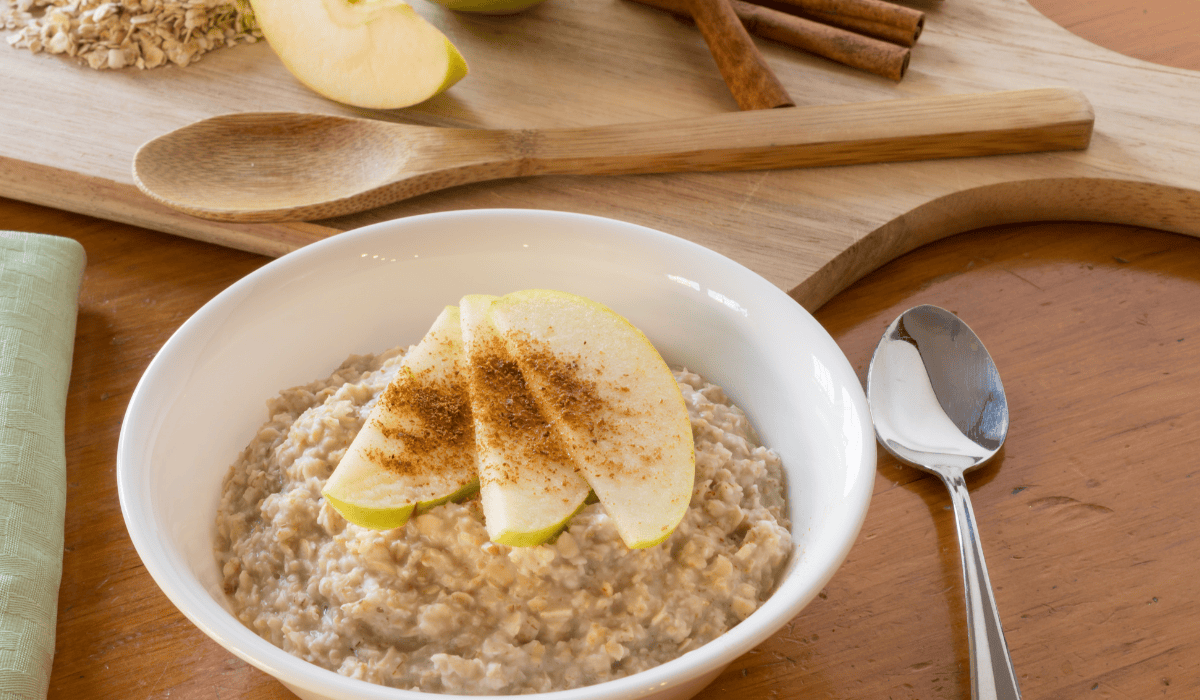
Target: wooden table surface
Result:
[[1087, 518]]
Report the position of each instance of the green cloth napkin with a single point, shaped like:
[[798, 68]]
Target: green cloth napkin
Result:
[[39, 294]]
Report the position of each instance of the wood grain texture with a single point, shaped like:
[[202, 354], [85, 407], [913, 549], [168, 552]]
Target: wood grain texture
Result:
[[1084, 516], [53, 187], [1160, 31], [594, 63], [1087, 519], [269, 166], [117, 635]]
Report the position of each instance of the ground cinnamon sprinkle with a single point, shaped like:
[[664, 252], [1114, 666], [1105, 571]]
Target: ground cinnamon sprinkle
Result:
[[443, 410], [514, 422], [575, 400], [574, 397]]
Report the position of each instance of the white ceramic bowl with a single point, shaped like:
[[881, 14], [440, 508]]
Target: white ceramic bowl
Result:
[[295, 320]]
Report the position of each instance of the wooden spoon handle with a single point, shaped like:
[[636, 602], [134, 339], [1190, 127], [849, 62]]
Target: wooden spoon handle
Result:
[[950, 126], [322, 167]]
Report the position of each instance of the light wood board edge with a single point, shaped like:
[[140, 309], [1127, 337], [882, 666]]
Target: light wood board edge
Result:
[[1096, 200], [124, 203]]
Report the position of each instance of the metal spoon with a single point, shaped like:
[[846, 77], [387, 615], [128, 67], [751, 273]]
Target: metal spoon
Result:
[[280, 166], [937, 404]]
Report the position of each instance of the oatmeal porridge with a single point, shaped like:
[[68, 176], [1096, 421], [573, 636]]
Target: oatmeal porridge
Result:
[[435, 606]]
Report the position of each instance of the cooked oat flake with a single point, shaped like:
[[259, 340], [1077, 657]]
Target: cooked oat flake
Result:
[[131, 33]]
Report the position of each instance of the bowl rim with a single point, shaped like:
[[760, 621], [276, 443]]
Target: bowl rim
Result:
[[297, 673]]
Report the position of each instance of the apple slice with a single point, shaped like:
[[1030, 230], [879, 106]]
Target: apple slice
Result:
[[528, 485], [614, 402], [417, 447], [378, 54]]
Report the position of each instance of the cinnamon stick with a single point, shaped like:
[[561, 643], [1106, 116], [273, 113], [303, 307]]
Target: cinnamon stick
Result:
[[881, 58], [901, 36], [877, 18], [743, 67], [874, 56]]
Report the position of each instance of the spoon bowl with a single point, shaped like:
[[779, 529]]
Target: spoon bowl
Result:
[[256, 167], [937, 396], [272, 161], [938, 404]]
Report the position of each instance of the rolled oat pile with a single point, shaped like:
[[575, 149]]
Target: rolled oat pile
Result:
[[128, 33]]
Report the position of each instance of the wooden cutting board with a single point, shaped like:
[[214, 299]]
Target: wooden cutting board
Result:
[[68, 134]]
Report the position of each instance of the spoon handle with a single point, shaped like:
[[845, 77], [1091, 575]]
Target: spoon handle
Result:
[[946, 126], [992, 674]]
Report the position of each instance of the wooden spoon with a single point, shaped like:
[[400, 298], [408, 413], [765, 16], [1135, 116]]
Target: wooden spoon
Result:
[[282, 166]]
